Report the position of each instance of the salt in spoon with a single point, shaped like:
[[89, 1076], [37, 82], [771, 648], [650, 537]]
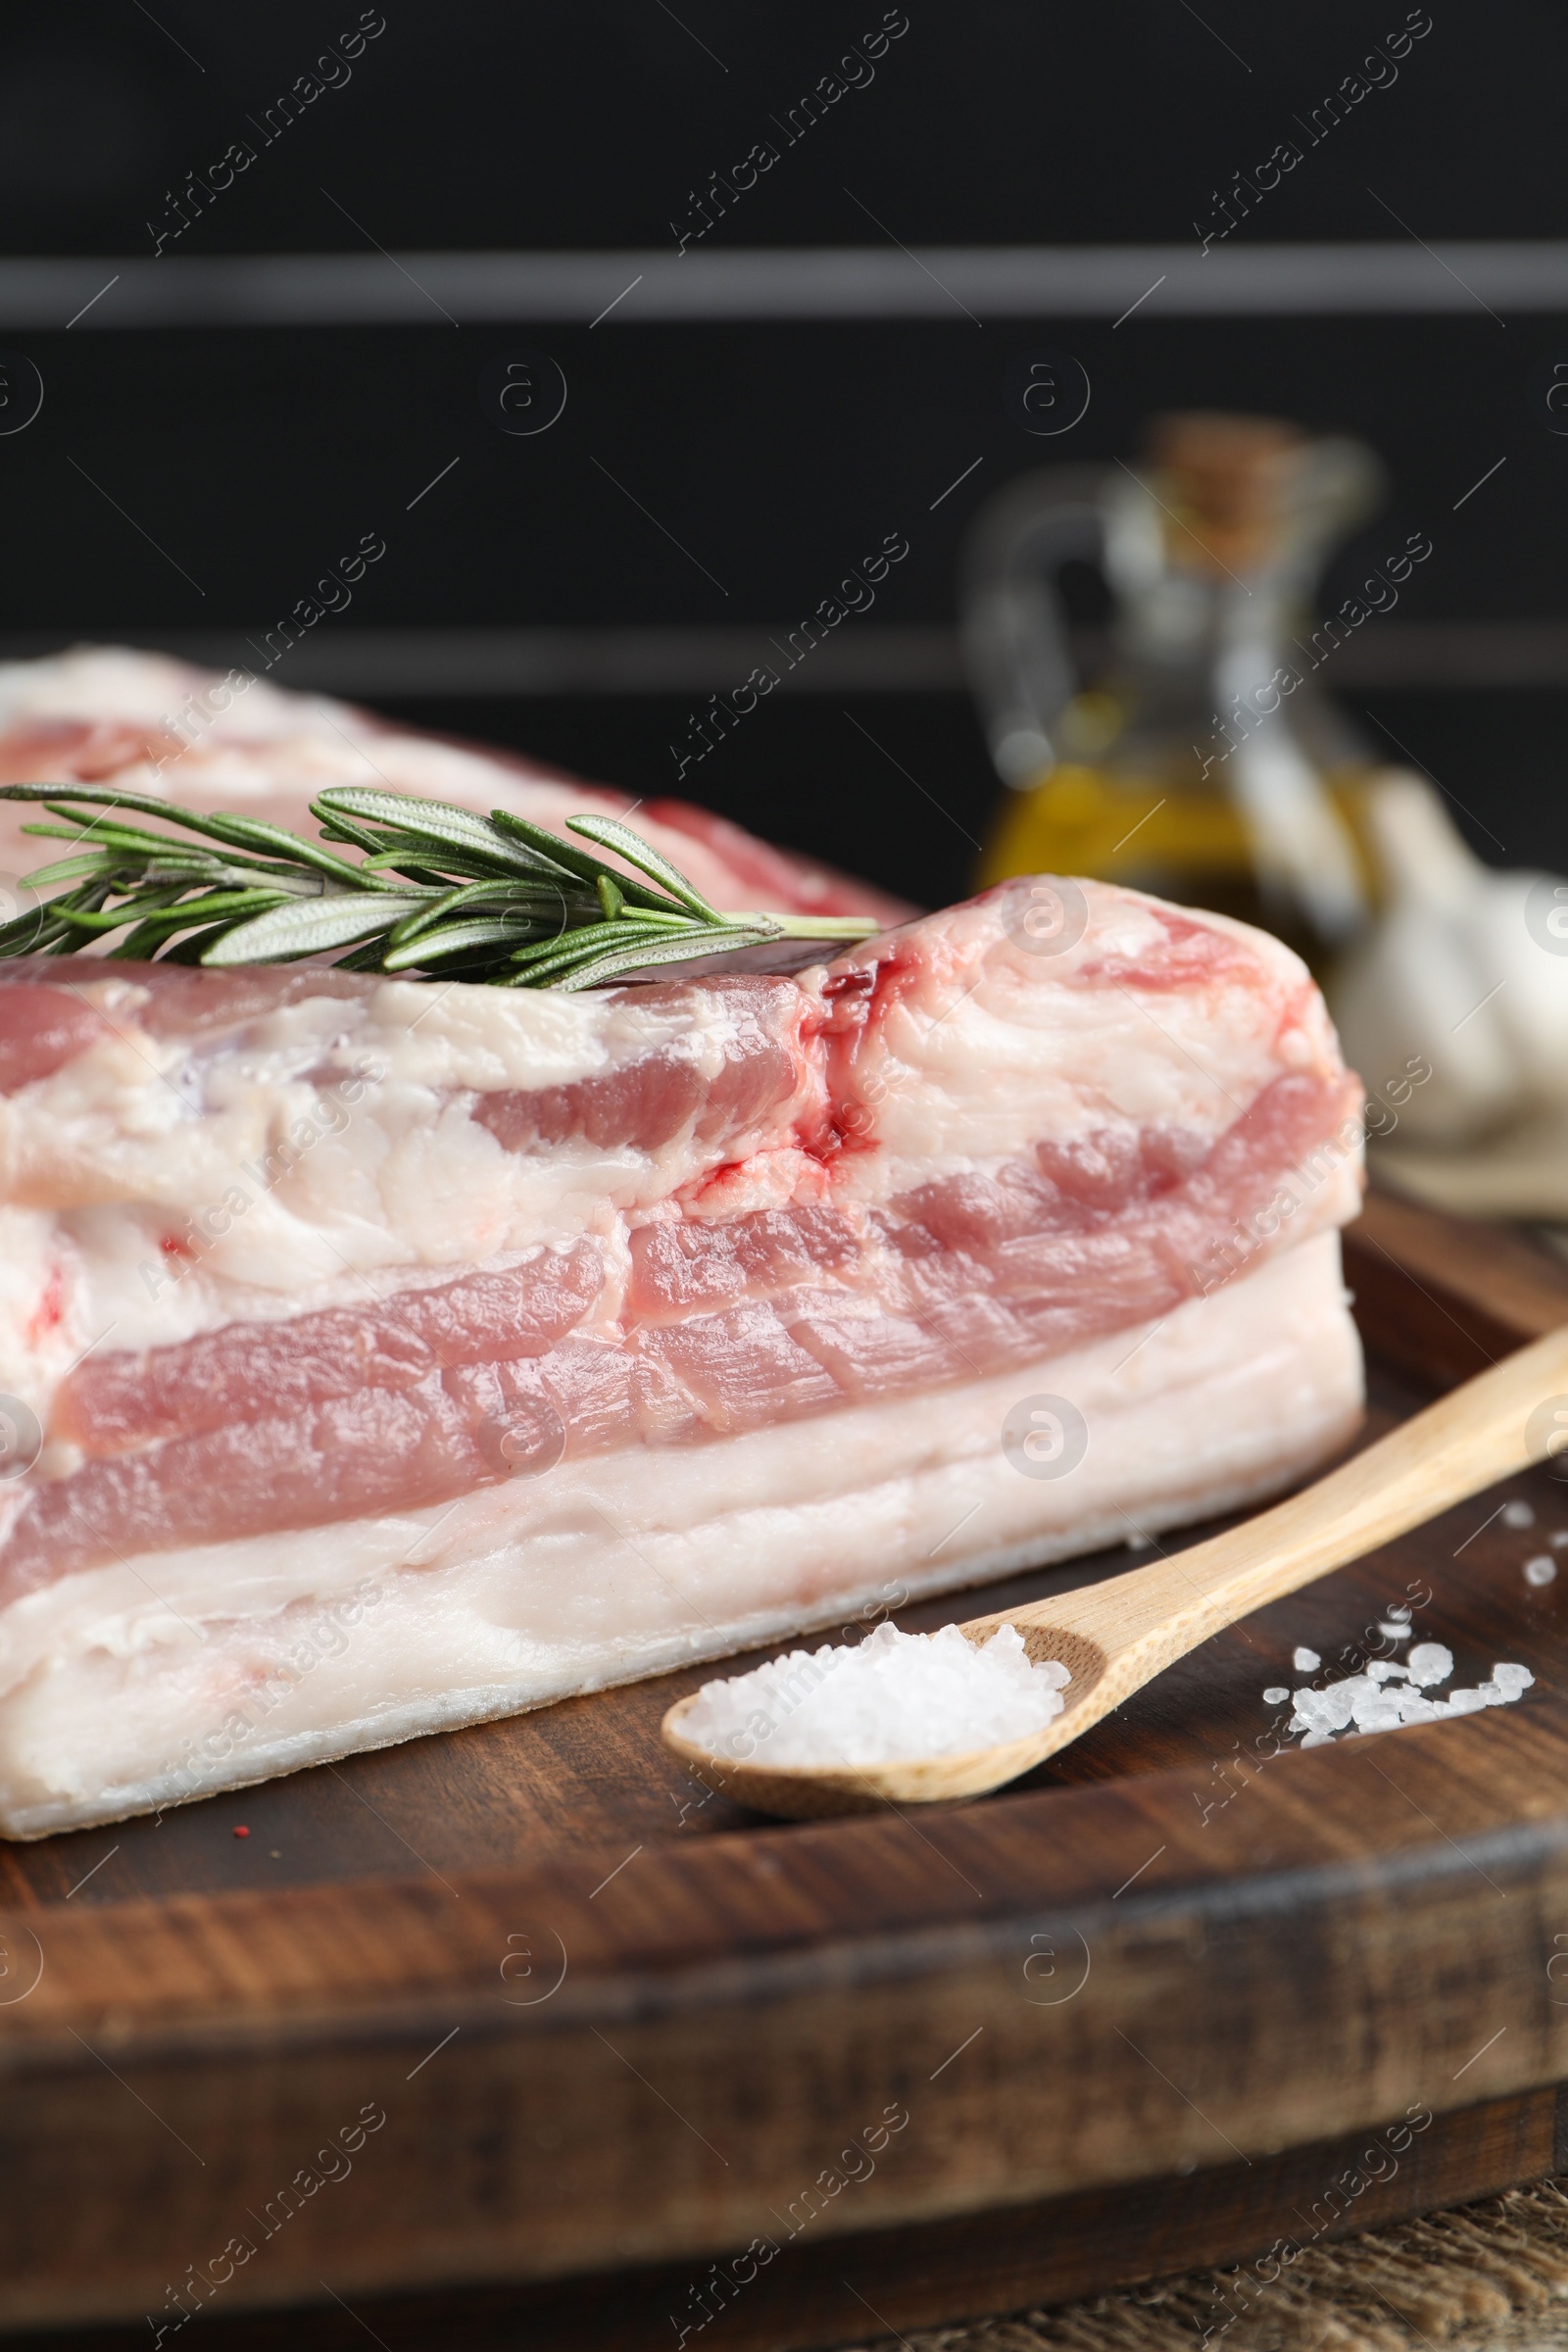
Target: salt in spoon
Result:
[[1117, 1636]]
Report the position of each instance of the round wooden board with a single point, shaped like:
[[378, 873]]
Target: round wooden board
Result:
[[1119, 2017]]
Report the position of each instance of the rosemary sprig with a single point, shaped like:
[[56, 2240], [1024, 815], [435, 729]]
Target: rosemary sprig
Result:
[[434, 890]]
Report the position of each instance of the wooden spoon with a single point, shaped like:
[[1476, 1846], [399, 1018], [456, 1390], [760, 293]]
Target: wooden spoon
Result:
[[1117, 1636]]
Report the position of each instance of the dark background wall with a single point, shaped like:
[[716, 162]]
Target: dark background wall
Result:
[[190, 482]]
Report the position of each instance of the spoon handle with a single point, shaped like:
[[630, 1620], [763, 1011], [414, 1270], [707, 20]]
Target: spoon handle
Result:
[[1496, 1424]]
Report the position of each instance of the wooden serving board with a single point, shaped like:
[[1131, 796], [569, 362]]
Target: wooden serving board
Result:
[[522, 2032]]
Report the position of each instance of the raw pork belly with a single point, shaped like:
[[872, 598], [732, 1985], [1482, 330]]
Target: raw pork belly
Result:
[[239, 745], [409, 1352]]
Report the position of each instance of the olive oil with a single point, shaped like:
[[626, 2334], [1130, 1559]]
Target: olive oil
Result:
[[1203, 762]]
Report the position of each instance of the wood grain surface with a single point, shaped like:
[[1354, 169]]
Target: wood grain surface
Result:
[[523, 2004], [827, 2289]]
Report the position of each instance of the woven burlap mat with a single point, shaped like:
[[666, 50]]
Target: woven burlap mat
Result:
[[1482, 2276]]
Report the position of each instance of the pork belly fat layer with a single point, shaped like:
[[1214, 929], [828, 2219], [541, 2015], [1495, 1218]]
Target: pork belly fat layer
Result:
[[702, 1208], [176, 1672]]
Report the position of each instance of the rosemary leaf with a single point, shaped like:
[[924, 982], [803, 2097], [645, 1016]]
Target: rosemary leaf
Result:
[[335, 826], [449, 939], [578, 941], [367, 958], [688, 947], [577, 861], [522, 897], [306, 927], [149, 937], [93, 918], [239, 832], [66, 870], [611, 834], [192, 949], [423, 822], [31, 934], [96, 834], [217, 906]]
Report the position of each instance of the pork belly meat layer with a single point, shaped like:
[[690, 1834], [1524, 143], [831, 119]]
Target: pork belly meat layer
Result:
[[302, 1264], [146, 1683]]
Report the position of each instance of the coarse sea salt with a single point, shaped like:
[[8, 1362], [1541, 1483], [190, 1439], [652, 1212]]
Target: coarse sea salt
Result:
[[875, 1701], [1542, 1569], [1389, 1696], [1518, 1513]]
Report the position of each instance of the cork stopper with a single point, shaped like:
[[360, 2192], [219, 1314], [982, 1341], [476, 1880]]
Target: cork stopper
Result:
[[1228, 481]]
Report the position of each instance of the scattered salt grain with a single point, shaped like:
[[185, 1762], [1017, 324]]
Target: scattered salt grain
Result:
[[1518, 1514], [1275, 1695], [1542, 1569], [1325, 1710], [892, 1695], [1375, 1713], [1304, 1660], [1558, 1538], [1390, 1694]]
